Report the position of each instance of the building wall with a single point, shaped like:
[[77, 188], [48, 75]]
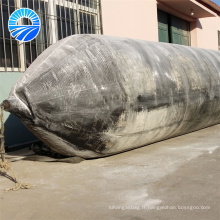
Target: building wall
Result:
[[7, 80], [207, 33], [138, 19], [130, 18], [15, 132]]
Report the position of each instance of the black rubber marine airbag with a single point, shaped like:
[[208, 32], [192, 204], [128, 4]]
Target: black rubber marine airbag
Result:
[[94, 95]]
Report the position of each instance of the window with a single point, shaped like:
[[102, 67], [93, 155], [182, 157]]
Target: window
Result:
[[87, 23], [59, 19], [66, 21], [8, 46], [172, 29], [40, 43], [82, 17]]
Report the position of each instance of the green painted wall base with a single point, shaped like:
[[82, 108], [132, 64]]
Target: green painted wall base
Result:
[[15, 132]]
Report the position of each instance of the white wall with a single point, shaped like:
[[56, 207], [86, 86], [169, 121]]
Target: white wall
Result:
[[130, 18], [207, 33]]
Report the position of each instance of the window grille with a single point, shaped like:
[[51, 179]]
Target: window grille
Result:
[[8, 46], [59, 19]]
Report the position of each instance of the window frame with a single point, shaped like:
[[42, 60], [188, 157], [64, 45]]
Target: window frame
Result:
[[167, 24]]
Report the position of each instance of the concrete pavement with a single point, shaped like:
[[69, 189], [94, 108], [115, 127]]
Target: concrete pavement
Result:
[[174, 179]]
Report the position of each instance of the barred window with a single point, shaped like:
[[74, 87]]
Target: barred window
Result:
[[40, 43], [8, 46], [59, 19], [77, 17], [66, 21]]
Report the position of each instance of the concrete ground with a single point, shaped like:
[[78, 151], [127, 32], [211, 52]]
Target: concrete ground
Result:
[[174, 179]]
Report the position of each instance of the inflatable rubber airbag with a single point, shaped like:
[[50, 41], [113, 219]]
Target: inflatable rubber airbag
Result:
[[93, 95]]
